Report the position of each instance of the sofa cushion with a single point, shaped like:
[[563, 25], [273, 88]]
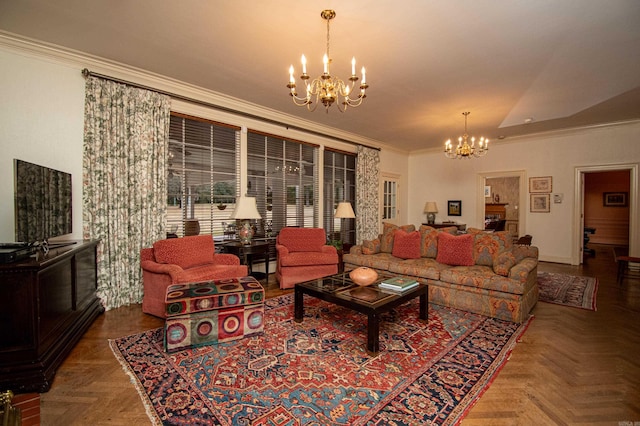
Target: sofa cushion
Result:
[[406, 245], [371, 246], [421, 268], [429, 239], [388, 233], [380, 261], [185, 252], [455, 250]]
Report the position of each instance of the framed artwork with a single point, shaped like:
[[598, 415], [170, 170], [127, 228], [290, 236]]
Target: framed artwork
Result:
[[454, 208], [540, 203], [615, 199], [487, 191], [540, 184]]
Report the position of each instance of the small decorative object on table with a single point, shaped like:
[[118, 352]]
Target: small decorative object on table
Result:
[[363, 276], [399, 284]]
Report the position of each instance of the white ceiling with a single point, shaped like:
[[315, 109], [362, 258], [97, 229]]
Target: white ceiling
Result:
[[560, 63]]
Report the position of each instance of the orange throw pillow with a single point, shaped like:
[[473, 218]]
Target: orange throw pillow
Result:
[[455, 250], [406, 245]]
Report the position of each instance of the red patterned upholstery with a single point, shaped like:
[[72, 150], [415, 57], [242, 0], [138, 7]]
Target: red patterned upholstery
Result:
[[303, 255], [182, 260]]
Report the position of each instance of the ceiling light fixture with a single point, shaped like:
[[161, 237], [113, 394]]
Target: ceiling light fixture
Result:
[[464, 150], [327, 89]]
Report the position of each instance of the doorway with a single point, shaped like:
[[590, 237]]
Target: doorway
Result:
[[584, 189], [512, 199]]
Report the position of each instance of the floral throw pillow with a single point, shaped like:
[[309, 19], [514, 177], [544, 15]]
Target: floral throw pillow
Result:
[[455, 250], [371, 246], [406, 245]]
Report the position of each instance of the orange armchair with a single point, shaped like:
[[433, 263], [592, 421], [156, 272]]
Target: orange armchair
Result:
[[182, 260], [303, 255]]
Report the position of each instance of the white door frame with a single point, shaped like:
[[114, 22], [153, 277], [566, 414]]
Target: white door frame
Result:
[[578, 207], [386, 176]]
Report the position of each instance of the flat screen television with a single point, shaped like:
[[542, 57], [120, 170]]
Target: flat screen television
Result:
[[42, 202]]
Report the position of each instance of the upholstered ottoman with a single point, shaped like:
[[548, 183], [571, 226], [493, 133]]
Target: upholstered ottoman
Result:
[[215, 311]]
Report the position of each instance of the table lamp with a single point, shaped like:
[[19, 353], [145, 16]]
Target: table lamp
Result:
[[246, 209], [430, 208], [344, 211]]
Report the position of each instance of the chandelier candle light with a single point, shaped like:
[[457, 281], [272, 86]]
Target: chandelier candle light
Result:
[[327, 89], [464, 150]]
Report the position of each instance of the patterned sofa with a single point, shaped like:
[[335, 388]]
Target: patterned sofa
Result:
[[480, 272]]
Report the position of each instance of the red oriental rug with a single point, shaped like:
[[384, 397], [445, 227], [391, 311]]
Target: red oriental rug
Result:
[[568, 290], [318, 373]]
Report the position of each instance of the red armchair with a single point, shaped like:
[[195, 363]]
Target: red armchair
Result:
[[303, 255], [182, 260]]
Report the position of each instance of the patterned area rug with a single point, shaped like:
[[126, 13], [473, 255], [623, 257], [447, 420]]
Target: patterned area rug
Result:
[[318, 373], [568, 290]]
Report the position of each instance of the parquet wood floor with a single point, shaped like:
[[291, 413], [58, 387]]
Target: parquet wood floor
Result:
[[572, 366]]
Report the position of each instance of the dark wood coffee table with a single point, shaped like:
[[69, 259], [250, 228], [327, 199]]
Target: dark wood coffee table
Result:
[[369, 300]]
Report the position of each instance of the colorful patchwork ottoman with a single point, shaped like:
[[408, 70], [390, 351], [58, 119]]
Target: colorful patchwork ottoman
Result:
[[215, 311]]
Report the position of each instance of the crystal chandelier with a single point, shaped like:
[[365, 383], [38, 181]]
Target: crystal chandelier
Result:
[[464, 150], [327, 89]]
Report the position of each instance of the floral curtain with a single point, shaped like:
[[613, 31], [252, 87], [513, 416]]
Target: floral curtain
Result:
[[367, 175], [124, 198]]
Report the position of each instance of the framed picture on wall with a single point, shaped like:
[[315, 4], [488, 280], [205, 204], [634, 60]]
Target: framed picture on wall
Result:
[[454, 208], [487, 191], [540, 203], [615, 199], [540, 184]]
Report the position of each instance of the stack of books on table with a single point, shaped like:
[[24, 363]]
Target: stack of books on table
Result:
[[398, 284]]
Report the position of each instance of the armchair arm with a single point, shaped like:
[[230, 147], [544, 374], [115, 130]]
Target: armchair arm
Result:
[[282, 250], [160, 268], [225, 259], [329, 249]]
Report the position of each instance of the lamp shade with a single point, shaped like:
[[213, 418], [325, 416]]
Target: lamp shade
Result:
[[344, 211], [246, 208], [430, 207]]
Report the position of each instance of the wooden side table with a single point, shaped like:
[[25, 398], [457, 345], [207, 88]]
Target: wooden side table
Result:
[[246, 253], [460, 226]]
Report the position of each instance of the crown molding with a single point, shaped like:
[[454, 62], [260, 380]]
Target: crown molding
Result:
[[72, 58]]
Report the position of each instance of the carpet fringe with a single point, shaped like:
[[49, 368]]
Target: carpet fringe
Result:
[[148, 406]]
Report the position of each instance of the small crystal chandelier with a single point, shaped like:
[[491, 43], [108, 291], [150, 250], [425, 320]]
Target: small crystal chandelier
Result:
[[464, 150], [327, 89]]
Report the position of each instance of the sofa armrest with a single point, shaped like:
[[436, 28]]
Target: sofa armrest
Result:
[[160, 268], [521, 270], [356, 249], [225, 259]]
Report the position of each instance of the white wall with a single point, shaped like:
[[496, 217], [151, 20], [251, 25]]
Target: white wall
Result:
[[41, 121], [555, 155]]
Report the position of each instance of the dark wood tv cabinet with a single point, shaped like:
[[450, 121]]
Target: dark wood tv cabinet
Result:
[[47, 302]]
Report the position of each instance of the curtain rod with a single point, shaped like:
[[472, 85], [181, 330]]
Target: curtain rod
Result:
[[86, 73]]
